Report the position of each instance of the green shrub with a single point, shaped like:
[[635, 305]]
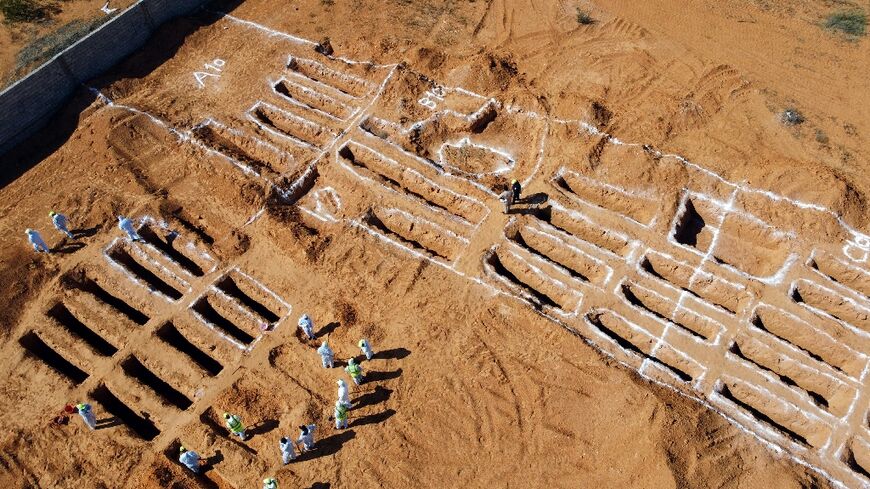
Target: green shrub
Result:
[[852, 23], [22, 10], [583, 17]]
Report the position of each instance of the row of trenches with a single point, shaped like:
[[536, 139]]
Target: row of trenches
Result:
[[419, 188], [705, 286], [643, 344], [342, 82], [549, 244], [165, 262], [298, 94], [632, 205], [830, 302], [741, 240], [414, 232], [261, 157], [146, 271], [583, 228], [288, 124], [239, 309], [812, 381], [665, 309], [853, 278], [779, 414], [823, 343], [545, 286]]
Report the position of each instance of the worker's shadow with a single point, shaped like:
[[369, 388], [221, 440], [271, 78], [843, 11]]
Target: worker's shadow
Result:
[[373, 418], [210, 462], [262, 427], [395, 353], [534, 199], [328, 446], [377, 376], [378, 395], [329, 328], [108, 422], [85, 232], [67, 248]]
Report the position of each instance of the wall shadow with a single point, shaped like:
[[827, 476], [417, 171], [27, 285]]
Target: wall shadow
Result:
[[163, 44]]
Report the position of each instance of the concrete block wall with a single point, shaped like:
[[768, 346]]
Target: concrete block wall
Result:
[[28, 104]]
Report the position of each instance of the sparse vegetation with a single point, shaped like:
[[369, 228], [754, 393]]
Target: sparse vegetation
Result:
[[852, 23], [791, 117], [583, 17], [821, 137], [327, 3], [22, 11]]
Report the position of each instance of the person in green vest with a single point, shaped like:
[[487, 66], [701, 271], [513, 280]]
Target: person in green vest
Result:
[[355, 371], [234, 423], [87, 414], [340, 415]]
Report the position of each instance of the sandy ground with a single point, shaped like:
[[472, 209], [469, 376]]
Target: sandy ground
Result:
[[681, 300]]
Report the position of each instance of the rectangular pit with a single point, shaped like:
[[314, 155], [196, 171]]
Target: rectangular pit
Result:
[[255, 154], [636, 340], [832, 303], [343, 82], [581, 227], [290, 125], [166, 243], [210, 315], [849, 276], [60, 313], [808, 338], [641, 210], [404, 179], [144, 428], [530, 286], [701, 284], [695, 223], [856, 456], [417, 232], [34, 345], [782, 417], [312, 99], [822, 390], [138, 371], [752, 246], [143, 272], [90, 286], [173, 337], [552, 247], [659, 306]]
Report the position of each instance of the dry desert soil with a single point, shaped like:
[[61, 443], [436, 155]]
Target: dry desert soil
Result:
[[681, 299]]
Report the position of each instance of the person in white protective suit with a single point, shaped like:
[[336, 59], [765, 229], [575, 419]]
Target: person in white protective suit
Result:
[[306, 437], [288, 453], [189, 459], [60, 223], [36, 240], [126, 224], [307, 326], [343, 396], [366, 348], [326, 355]]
